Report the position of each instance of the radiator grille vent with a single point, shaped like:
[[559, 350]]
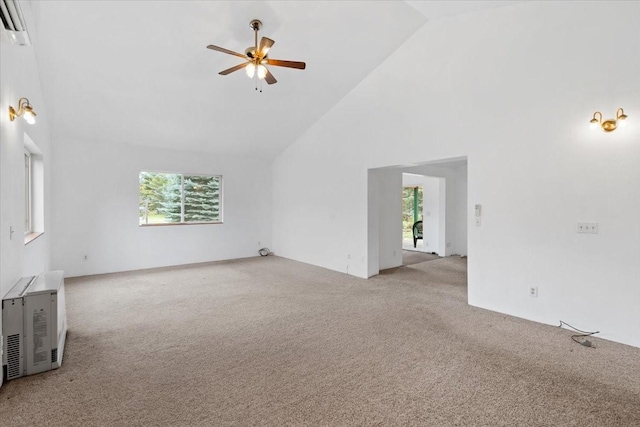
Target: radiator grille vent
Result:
[[13, 356], [54, 355]]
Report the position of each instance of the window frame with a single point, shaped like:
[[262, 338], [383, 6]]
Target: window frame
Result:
[[182, 222], [28, 192]]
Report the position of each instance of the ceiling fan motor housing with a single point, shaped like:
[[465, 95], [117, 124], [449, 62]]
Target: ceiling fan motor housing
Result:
[[250, 52]]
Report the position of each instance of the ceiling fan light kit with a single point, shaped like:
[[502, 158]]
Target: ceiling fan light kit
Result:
[[257, 59]]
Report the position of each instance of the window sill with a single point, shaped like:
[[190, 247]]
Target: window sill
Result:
[[180, 223], [28, 238]]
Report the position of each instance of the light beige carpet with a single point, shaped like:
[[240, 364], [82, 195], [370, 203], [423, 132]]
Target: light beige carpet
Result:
[[416, 257], [268, 341]]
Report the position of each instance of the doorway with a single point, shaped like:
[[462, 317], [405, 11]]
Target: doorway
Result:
[[424, 213], [412, 219], [441, 189]]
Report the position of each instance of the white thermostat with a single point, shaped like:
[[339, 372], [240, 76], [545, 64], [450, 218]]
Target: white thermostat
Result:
[[478, 215]]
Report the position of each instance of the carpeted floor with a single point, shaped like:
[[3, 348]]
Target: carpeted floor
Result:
[[269, 341], [416, 257]]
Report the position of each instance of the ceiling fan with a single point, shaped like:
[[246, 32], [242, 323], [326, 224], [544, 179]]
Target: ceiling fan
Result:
[[257, 59]]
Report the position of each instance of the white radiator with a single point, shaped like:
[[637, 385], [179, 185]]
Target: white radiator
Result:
[[34, 324]]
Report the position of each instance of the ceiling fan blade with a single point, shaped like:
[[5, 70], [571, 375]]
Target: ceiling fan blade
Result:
[[232, 69], [269, 78], [288, 64], [223, 50], [265, 45]]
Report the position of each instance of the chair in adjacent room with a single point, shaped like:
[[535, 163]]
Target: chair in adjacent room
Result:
[[417, 232]]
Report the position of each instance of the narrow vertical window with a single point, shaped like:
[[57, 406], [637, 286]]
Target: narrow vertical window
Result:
[[27, 193]]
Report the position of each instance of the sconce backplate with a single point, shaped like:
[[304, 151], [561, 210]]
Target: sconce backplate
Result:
[[609, 125]]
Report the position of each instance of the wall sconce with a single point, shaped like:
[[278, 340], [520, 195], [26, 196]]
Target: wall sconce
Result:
[[25, 110], [611, 124]]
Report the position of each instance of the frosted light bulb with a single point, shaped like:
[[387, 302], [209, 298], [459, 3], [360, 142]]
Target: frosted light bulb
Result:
[[262, 72], [594, 124], [251, 70], [29, 118], [622, 122]]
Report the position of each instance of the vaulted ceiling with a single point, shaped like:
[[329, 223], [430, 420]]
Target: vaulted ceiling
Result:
[[138, 72]]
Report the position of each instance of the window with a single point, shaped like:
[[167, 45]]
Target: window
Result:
[[33, 191], [28, 191], [174, 198]]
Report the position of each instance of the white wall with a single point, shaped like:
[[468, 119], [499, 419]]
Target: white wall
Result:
[[461, 215], [373, 222], [512, 89], [389, 188], [19, 78], [435, 214], [95, 209]]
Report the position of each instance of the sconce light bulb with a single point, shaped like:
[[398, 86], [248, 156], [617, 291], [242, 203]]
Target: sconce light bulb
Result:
[[251, 70], [622, 122], [29, 115], [262, 71], [594, 124]]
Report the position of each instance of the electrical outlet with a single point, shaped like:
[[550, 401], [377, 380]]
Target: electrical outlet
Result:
[[85, 258], [348, 256], [259, 244], [533, 291]]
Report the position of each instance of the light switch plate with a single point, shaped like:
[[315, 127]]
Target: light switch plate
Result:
[[587, 228]]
